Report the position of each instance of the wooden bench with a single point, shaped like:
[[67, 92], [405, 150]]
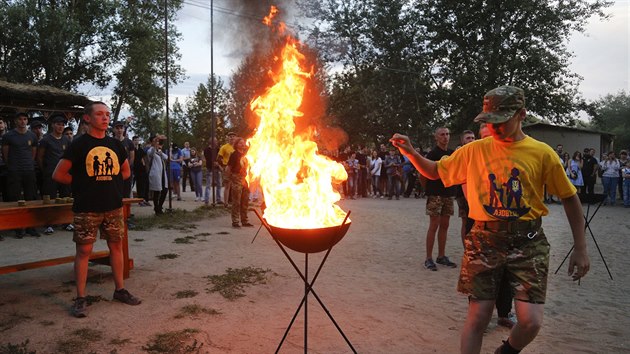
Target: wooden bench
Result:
[[95, 256]]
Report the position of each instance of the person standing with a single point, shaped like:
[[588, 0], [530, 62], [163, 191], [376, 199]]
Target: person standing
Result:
[[610, 177], [121, 135], [224, 155], [393, 168], [140, 173], [49, 151], [574, 171], [625, 174], [3, 165], [237, 169], [98, 194], [185, 169], [158, 177], [195, 167], [19, 148], [440, 205], [375, 172], [213, 180], [623, 161], [589, 172], [506, 238]]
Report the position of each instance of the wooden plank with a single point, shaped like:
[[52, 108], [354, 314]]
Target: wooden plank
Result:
[[49, 262]]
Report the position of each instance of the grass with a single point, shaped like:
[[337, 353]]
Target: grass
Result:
[[185, 294], [21, 348], [184, 240], [78, 340], [12, 320], [203, 234], [138, 239], [46, 323], [231, 285], [117, 341], [195, 310], [167, 256], [178, 219], [176, 342]]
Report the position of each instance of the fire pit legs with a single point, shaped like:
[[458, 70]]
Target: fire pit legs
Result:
[[308, 288]]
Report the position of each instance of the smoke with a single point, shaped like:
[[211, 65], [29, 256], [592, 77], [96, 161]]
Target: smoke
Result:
[[238, 24]]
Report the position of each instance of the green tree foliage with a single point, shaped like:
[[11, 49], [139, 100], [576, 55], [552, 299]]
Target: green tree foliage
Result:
[[411, 66], [140, 79], [612, 114], [57, 43], [196, 124]]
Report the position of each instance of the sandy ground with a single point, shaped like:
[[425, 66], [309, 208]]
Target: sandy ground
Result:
[[373, 283]]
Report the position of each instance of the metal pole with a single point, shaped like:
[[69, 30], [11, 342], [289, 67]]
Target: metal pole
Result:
[[168, 123], [213, 125]]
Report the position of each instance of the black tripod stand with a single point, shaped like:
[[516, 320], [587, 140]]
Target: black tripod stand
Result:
[[590, 199]]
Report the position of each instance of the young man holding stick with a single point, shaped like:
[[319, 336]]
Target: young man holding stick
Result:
[[505, 179]]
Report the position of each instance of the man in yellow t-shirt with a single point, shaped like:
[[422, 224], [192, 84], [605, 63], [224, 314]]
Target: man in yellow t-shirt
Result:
[[222, 158], [505, 178]]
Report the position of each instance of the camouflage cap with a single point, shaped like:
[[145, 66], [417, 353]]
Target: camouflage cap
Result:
[[500, 104]]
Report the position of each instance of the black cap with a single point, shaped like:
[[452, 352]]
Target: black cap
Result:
[[118, 123], [58, 118], [36, 123]]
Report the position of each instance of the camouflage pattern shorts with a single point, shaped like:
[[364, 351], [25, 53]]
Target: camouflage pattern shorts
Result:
[[462, 207], [110, 223], [489, 254], [440, 206]]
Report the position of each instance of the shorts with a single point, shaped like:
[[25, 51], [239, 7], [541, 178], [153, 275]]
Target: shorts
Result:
[[110, 223], [226, 178], [177, 174], [489, 254], [440, 206], [462, 207]]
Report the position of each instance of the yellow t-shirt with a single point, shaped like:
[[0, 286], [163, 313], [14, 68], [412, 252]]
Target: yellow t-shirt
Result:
[[505, 181], [225, 151]]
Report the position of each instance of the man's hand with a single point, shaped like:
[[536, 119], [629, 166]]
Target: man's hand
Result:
[[579, 264], [403, 144]]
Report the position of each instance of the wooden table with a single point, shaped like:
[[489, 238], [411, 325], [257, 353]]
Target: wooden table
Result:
[[37, 214]]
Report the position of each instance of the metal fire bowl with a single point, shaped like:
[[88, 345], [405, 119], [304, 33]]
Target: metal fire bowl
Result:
[[310, 240]]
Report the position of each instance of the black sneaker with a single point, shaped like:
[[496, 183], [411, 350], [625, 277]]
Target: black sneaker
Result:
[[125, 297], [445, 262], [20, 233], [79, 308], [31, 231], [246, 224], [430, 265], [236, 225]]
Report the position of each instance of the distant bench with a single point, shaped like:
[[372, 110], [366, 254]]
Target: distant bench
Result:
[[36, 214]]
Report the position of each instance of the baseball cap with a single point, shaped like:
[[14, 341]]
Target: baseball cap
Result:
[[58, 118], [118, 123], [36, 123], [500, 104]]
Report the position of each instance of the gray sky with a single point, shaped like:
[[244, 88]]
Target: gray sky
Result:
[[602, 54]]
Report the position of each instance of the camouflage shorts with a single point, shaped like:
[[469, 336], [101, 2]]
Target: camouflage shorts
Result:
[[488, 254], [440, 206], [462, 207], [110, 223]]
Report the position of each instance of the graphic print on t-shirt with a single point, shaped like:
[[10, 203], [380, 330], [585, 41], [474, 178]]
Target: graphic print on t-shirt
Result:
[[505, 203], [102, 163]]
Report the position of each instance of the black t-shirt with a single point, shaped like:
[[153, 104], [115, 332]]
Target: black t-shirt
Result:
[[20, 150], [54, 151], [97, 183], [436, 187], [210, 155], [238, 165], [588, 165], [362, 159], [138, 161]]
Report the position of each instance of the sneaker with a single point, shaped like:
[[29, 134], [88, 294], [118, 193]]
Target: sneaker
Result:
[[508, 322], [79, 308], [445, 262], [125, 297], [429, 264], [246, 224], [49, 230], [69, 227], [31, 231], [236, 225], [20, 233]]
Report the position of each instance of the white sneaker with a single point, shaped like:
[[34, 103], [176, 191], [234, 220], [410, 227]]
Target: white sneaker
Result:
[[70, 227], [49, 230]]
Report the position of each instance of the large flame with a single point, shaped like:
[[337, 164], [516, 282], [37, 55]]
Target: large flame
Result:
[[295, 179]]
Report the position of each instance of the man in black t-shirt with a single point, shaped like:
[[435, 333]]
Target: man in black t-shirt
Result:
[[440, 205], [96, 166], [49, 151], [589, 172], [18, 150]]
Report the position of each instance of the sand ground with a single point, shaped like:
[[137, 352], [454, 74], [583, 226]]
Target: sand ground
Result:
[[373, 283]]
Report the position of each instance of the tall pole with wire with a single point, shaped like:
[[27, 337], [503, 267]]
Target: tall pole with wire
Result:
[[213, 124], [168, 122]]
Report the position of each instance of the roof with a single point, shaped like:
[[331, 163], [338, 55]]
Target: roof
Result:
[[25, 97], [544, 124]]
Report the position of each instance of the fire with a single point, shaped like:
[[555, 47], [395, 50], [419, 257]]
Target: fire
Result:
[[296, 181]]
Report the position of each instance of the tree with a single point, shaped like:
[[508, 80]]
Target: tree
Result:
[[57, 43], [611, 113], [198, 118], [140, 79]]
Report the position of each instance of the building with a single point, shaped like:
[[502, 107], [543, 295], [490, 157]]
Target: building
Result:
[[573, 139]]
